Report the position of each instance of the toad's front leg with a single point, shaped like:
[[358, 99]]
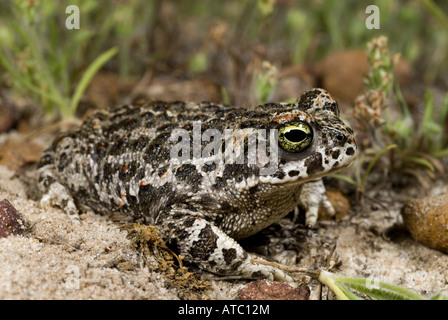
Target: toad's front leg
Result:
[[212, 250], [313, 196]]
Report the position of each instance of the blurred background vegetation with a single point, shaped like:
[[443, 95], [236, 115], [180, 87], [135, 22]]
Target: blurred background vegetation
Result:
[[190, 38], [244, 52]]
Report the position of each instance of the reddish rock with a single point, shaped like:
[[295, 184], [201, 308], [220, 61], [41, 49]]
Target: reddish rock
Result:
[[11, 221], [272, 290]]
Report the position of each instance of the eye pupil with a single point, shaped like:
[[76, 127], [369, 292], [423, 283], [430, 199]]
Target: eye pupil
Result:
[[295, 135]]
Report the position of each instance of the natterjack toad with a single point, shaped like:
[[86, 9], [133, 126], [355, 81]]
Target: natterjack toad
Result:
[[204, 173]]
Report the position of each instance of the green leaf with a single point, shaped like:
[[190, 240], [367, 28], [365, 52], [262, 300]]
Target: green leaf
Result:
[[225, 96], [420, 161], [266, 81], [327, 279], [87, 77], [198, 63], [350, 295], [443, 111], [428, 113], [266, 7], [374, 289], [441, 153], [401, 101], [438, 297], [343, 177], [380, 290]]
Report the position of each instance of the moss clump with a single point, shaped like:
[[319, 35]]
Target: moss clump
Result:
[[146, 239]]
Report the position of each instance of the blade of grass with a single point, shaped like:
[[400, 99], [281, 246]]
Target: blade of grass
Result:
[[420, 161], [441, 153], [436, 163], [435, 10], [349, 293], [373, 162], [326, 278], [401, 100], [379, 290], [87, 77], [344, 178], [30, 38], [444, 110], [225, 96], [438, 297], [24, 81], [376, 289], [428, 113]]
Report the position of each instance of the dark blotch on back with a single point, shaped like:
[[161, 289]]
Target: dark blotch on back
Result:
[[209, 166], [271, 105], [306, 100], [156, 152], [226, 207], [220, 183], [154, 195], [189, 222], [189, 174], [256, 124], [237, 171]]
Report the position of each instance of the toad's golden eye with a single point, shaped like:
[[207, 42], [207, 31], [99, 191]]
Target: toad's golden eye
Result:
[[295, 136]]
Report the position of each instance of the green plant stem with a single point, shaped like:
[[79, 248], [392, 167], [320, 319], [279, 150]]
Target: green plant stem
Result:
[[372, 163], [86, 78], [436, 12], [344, 178], [420, 161], [327, 279], [375, 289], [379, 290]]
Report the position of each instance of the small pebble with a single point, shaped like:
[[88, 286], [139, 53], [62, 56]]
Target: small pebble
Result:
[[11, 221], [427, 221], [340, 204], [272, 290]]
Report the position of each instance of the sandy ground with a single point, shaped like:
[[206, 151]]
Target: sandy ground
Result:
[[59, 259]]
